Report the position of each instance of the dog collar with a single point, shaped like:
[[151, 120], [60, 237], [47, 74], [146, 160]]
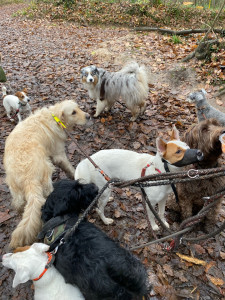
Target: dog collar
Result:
[[22, 104], [50, 261], [60, 123], [147, 166]]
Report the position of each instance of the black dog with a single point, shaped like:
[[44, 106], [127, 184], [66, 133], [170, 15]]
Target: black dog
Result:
[[89, 258]]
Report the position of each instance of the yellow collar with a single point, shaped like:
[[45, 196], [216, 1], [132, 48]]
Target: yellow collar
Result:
[[58, 121]]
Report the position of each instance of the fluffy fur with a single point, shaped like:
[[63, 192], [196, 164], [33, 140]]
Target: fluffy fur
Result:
[[29, 264], [89, 258], [205, 136], [31, 149], [127, 165], [16, 104], [204, 109], [130, 83]]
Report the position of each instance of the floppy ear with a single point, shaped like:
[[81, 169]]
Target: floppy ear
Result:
[[175, 134], [19, 95], [161, 146], [25, 90], [21, 276]]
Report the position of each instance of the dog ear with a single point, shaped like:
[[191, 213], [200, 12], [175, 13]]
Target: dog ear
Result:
[[161, 146], [175, 134], [21, 276], [19, 95], [25, 90], [40, 247], [204, 91]]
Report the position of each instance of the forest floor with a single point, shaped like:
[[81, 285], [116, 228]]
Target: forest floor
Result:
[[46, 57]]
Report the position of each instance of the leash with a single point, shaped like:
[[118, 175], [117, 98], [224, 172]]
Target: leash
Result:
[[50, 261], [60, 123], [172, 184]]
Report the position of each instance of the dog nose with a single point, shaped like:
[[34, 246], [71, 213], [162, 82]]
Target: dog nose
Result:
[[28, 100], [91, 79], [200, 155], [87, 116]]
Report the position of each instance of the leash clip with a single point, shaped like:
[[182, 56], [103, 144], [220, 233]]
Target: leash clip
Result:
[[196, 175]]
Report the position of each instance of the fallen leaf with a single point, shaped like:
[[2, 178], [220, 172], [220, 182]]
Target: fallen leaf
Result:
[[216, 281], [4, 216], [192, 259]]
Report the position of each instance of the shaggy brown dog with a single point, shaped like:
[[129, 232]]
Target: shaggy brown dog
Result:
[[205, 137], [30, 150]]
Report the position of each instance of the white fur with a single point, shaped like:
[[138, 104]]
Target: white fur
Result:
[[30, 264], [12, 103], [127, 165]]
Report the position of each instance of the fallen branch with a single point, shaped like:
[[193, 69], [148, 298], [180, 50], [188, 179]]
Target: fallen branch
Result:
[[201, 44], [179, 32]]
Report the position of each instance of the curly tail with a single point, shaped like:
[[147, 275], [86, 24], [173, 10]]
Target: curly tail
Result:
[[4, 91], [30, 225]]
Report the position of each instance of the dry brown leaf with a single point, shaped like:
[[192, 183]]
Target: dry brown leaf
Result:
[[192, 259], [216, 281], [117, 213]]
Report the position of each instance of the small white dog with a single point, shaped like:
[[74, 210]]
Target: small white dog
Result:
[[31, 151], [130, 84], [127, 165], [16, 104], [31, 265]]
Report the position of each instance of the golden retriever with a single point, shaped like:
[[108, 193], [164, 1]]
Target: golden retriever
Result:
[[30, 151]]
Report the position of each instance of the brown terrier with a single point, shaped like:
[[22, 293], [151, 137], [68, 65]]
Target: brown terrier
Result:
[[205, 137]]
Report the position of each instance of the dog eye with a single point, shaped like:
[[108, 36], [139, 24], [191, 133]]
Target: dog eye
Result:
[[93, 72], [74, 112], [178, 151]]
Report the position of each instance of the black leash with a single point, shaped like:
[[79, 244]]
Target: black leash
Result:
[[172, 184]]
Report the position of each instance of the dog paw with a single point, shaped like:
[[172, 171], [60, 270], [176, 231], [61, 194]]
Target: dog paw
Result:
[[155, 227], [133, 119], [166, 224], [108, 221], [111, 199]]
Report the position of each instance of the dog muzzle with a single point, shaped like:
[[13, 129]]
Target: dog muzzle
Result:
[[191, 156]]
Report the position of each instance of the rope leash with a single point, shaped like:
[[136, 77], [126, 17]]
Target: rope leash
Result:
[[63, 126]]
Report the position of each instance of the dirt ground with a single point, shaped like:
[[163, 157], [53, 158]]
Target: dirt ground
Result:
[[46, 57]]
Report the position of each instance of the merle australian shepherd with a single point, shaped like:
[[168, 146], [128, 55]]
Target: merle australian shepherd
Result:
[[89, 258]]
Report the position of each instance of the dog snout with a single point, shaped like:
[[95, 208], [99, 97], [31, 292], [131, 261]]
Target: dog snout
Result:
[[87, 116], [91, 79], [28, 99], [200, 155]]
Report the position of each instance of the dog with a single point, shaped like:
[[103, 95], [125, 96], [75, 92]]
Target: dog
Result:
[[31, 149], [16, 103], [88, 258], [127, 165], [204, 109], [30, 265], [204, 136], [130, 83]]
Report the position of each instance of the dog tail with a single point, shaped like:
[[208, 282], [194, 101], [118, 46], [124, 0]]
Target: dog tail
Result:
[[4, 91], [30, 225]]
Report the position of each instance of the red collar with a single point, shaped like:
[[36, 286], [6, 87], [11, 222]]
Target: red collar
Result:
[[50, 256], [144, 170]]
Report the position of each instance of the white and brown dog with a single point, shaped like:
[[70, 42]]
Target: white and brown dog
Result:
[[130, 84], [127, 165], [34, 263], [16, 104], [31, 151]]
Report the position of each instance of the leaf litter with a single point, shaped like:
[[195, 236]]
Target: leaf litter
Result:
[[46, 58]]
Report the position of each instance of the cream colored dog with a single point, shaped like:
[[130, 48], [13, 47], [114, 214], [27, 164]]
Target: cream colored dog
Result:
[[30, 151]]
